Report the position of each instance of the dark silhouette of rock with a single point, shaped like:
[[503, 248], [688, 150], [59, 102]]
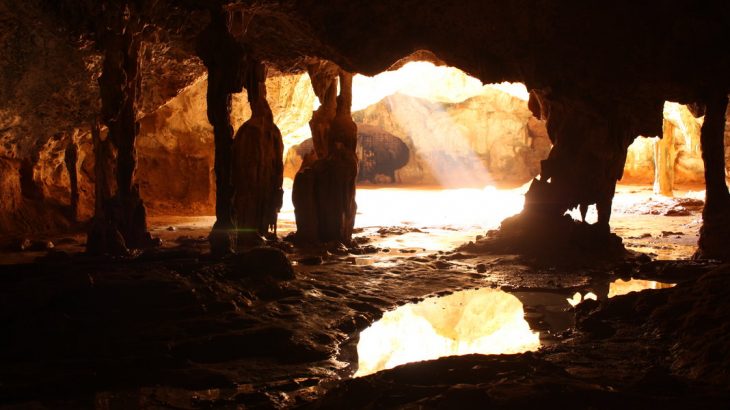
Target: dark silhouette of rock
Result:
[[715, 231], [119, 207], [258, 168], [223, 56], [379, 153], [324, 188], [264, 261]]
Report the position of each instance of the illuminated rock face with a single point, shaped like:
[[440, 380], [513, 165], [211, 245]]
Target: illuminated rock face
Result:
[[490, 138], [380, 155], [179, 136], [673, 160]]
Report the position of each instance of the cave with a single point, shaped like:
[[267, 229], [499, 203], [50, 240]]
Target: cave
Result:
[[364, 204]]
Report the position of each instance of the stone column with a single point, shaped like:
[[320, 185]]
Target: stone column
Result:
[[124, 214], [715, 231], [70, 159], [223, 57], [258, 165], [664, 157], [587, 159], [324, 187]]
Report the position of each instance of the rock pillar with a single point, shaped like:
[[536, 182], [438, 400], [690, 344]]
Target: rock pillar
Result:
[[664, 156], [586, 160], [258, 165], [715, 231], [70, 159], [123, 215], [223, 57], [324, 187]]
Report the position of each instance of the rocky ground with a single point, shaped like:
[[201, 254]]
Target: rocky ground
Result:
[[172, 328]]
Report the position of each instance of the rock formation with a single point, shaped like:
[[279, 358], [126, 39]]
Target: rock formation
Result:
[[490, 138], [673, 160], [123, 215], [324, 188], [258, 168], [224, 58], [549, 47], [715, 231], [584, 164], [71, 158], [379, 153]]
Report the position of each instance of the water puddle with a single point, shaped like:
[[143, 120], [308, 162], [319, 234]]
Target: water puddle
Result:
[[617, 288], [486, 321], [483, 321], [622, 287]]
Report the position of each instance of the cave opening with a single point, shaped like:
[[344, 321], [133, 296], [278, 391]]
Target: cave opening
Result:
[[363, 204]]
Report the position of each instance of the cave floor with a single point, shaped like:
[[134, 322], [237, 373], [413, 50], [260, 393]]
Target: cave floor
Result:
[[172, 328]]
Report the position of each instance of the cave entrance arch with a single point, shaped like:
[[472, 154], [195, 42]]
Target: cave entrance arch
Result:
[[429, 126]]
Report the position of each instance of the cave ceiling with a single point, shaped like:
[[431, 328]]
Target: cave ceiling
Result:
[[627, 54]]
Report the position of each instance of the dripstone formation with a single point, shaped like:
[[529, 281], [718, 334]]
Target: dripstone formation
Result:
[[324, 188]]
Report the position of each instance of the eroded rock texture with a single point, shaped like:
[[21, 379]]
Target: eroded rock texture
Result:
[[584, 164], [490, 138], [324, 188], [674, 160], [380, 155], [224, 58], [715, 231], [123, 215], [258, 168]]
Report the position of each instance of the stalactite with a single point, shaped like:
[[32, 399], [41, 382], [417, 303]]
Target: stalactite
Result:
[[224, 59], [324, 188], [104, 237], [119, 86], [258, 167], [715, 231]]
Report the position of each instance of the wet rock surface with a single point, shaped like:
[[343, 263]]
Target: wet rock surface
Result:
[[176, 328]]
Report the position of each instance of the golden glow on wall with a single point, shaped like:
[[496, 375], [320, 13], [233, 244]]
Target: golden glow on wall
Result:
[[486, 321], [418, 94]]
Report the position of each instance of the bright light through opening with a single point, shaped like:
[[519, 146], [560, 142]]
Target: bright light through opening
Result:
[[485, 321]]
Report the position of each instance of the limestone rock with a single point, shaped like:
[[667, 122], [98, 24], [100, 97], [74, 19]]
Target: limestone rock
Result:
[[265, 261]]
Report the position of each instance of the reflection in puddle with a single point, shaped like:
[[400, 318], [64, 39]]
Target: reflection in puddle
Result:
[[577, 298], [486, 321], [621, 287]]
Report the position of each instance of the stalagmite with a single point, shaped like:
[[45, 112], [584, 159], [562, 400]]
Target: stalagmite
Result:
[[70, 159], [664, 157], [715, 231], [324, 188], [124, 214], [224, 58], [258, 168], [584, 164]]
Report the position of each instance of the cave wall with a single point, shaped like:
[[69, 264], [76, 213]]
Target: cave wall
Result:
[[47, 93], [491, 138], [683, 130], [178, 139], [49, 98]]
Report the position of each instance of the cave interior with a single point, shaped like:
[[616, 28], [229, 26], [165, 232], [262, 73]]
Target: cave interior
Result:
[[364, 204]]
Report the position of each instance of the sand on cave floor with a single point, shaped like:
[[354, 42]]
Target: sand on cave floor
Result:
[[425, 220]]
